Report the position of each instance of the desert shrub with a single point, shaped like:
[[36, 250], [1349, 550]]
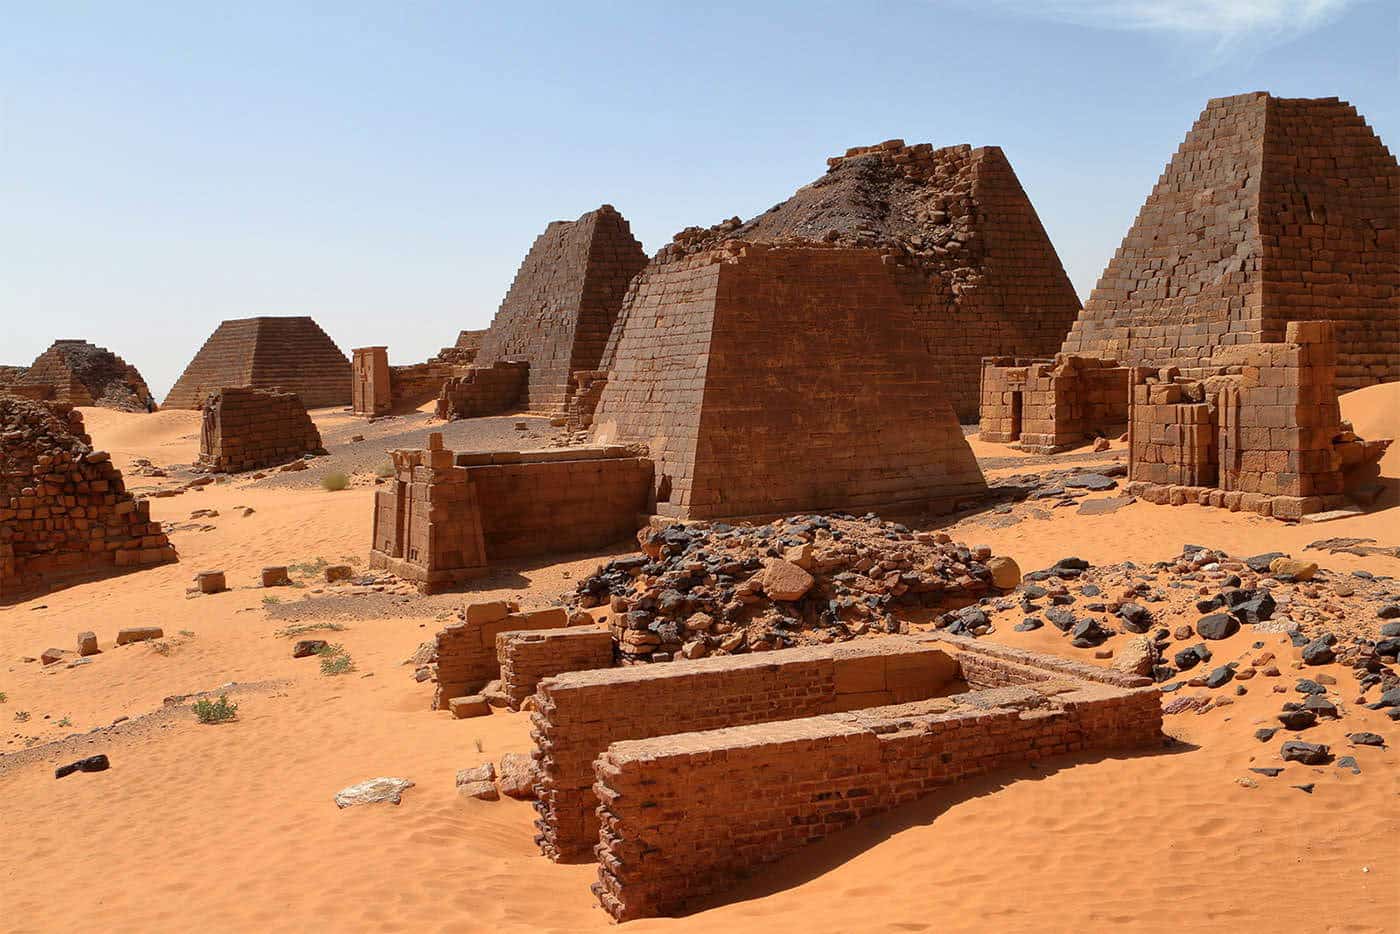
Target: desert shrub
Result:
[[335, 660], [291, 632], [333, 482], [22, 716], [3, 697], [215, 711], [385, 470]]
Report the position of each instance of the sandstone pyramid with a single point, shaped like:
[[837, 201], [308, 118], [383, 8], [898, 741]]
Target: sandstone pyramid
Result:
[[1272, 210], [781, 379], [961, 238], [289, 353], [83, 374], [563, 302]]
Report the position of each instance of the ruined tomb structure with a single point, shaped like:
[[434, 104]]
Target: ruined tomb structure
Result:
[[959, 237], [463, 352], [1051, 405], [770, 380], [562, 305], [65, 514], [378, 388], [286, 353], [369, 386], [1262, 432], [83, 374], [686, 815], [1272, 210], [477, 391], [444, 515], [244, 429]]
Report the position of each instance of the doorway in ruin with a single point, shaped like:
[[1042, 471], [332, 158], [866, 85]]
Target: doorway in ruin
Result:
[[1017, 402]]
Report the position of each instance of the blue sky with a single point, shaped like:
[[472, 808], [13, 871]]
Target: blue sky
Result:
[[385, 167]]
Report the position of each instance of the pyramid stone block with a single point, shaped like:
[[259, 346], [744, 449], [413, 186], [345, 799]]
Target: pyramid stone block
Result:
[[783, 379], [288, 353], [1272, 210], [562, 305]]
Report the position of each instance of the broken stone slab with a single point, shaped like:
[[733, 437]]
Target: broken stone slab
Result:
[[139, 634], [52, 656], [1291, 569], [339, 572], [1091, 481], [275, 576], [1307, 753], [783, 580], [478, 782], [87, 644], [518, 776], [372, 791], [210, 581], [306, 647], [472, 705], [97, 763]]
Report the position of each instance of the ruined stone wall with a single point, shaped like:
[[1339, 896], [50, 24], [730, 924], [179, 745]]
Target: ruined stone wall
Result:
[[563, 302], [1265, 428], [527, 658], [785, 379], [65, 514], [446, 515], [483, 390], [687, 816], [1272, 210], [1050, 405], [245, 429], [466, 657], [83, 374], [581, 713], [288, 353], [370, 393]]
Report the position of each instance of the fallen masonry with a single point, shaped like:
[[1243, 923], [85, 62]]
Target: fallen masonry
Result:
[[244, 429], [83, 374]]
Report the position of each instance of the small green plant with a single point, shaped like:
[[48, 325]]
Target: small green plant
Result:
[[308, 568], [22, 716], [334, 482], [161, 648], [384, 470], [271, 601], [477, 741], [3, 697], [219, 711], [335, 660], [65, 722], [291, 632], [187, 633]]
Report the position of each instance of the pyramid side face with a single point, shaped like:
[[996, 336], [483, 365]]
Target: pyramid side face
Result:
[[1330, 214], [85, 374], [659, 358], [1187, 277], [818, 394], [225, 359], [295, 355], [563, 302]]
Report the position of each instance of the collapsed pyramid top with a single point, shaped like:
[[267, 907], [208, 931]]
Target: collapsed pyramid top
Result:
[[84, 374], [288, 353], [957, 231], [562, 305], [1272, 210]]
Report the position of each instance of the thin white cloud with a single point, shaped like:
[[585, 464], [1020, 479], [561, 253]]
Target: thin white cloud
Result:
[[1226, 21]]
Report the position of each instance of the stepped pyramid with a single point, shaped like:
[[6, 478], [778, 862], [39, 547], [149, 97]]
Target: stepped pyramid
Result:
[[1272, 210], [84, 374], [287, 353], [961, 238], [781, 379], [563, 302]]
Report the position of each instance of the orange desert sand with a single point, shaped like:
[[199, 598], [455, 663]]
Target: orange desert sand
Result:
[[232, 827]]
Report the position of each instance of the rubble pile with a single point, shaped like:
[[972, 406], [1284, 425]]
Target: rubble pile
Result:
[[716, 589]]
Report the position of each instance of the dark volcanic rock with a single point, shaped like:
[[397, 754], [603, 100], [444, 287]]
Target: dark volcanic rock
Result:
[[1220, 677], [1307, 753], [97, 763], [1297, 719], [1366, 739], [1319, 651], [1136, 618], [1189, 658], [1217, 626]]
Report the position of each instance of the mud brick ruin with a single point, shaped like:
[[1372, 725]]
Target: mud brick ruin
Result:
[[447, 514], [1051, 405], [527, 658], [465, 658], [284, 353], [79, 373], [959, 237], [244, 429], [686, 815], [561, 307], [781, 379], [65, 514], [464, 351], [1262, 433], [483, 390], [1273, 210]]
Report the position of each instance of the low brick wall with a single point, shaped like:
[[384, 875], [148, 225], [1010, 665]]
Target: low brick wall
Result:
[[526, 658], [483, 390], [245, 429], [466, 649], [686, 816], [581, 713]]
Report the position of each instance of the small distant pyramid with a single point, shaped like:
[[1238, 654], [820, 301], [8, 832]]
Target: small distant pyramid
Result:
[[962, 240], [780, 379], [1272, 210], [84, 374], [562, 305], [288, 353]]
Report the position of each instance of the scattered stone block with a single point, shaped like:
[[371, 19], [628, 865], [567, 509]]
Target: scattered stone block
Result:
[[373, 791], [472, 705], [339, 572], [87, 644], [210, 581], [139, 634], [275, 576]]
